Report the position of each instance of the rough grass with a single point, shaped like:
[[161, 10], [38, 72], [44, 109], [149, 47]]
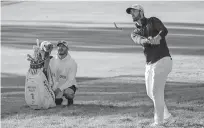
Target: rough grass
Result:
[[110, 102]]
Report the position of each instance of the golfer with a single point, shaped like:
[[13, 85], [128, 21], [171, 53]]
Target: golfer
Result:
[[150, 34]]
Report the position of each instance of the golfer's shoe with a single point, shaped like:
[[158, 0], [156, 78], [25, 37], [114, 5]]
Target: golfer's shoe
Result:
[[166, 120], [156, 125], [169, 118]]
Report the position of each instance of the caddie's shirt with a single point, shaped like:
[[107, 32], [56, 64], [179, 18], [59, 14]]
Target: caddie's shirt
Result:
[[151, 27], [63, 72]]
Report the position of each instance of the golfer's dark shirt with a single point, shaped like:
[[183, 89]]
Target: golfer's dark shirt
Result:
[[151, 27]]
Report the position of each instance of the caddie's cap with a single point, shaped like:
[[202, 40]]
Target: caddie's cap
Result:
[[63, 42], [135, 6]]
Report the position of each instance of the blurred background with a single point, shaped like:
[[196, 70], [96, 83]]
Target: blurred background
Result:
[[100, 11], [88, 27]]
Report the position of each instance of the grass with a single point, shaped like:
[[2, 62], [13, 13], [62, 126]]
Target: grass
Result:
[[105, 103]]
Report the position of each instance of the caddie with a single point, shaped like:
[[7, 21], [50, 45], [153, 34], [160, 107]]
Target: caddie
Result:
[[150, 33], [63, 69]]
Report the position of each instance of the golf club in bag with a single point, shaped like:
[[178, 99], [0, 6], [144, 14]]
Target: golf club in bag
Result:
[[38, 82]]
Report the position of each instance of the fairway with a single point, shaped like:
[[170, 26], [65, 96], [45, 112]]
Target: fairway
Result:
[[110, 75]]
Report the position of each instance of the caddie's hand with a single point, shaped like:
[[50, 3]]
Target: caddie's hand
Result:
[[57, 91]]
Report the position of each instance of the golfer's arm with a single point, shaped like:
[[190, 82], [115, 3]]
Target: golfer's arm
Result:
[[159, 26], [70, 77], [139, 39]]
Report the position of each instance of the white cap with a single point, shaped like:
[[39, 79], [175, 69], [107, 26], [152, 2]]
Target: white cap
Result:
[[135, 6]]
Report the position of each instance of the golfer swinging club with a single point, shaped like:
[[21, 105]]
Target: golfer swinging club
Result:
[[150, 34]]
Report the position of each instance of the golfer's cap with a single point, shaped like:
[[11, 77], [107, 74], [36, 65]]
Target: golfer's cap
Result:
[[62, 42], [134, 6]]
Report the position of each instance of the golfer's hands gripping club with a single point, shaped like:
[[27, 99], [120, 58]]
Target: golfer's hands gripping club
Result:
[[155, 40]]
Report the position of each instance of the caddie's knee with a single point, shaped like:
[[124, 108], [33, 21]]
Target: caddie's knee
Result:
[[70, 92]]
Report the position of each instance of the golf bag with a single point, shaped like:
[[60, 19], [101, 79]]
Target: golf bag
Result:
[[38, 83]]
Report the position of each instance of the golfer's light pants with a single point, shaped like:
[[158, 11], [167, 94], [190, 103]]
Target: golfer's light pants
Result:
[[155, 80]]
